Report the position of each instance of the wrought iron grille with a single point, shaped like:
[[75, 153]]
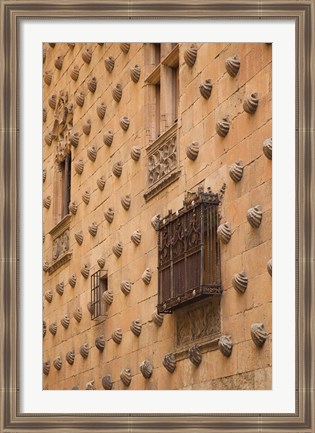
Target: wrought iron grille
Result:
[[99, 284], [189, 252]]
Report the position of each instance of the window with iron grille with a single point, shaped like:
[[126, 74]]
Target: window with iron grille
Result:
[[99, 284], [189, 253]]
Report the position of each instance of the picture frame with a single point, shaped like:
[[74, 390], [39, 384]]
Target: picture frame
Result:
[[12, 14]]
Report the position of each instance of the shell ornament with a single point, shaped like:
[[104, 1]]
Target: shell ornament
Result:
[[135, 73], [100, 342], [92, 153], [72, 280], [146, 276], [107, 382], [108, 297], [240, 282], [155, 222], [136, 237], [84, 350], [125, 287], [44, 328], [267, 148], [192, 150], [101, 262], [117, 92], [48, 138], [65, 321], [236, 171], [101, 110], [146, 369], [46, 368], [108, 138], [126, 201], [86, 128], [157, 318], [52, 101], [109, 63], [269, 267], [124, 123], [258, 334], [58, 363], [91, 308], [125, 48], [79, 166], [44, 115], [92, 84], [74, 73], [77, 314], [80, 98], [53, 328], [125, 376], [117, 249], [206, 89], [60, 287], [87, 55], [85, 270], [93, 229], [59, 62], [47, 78], [70, 357], [73, 207], [101, 183], [224, 232], [109, 215], [117, 335], [190, 55], [117, 168], [49, 296], [250, 103], [195, 355], [225, 345], [254, 216], [169, 362], [47, 202], [223, 126], [86, 197], [79, 237], [136, 327], [135, 153], [90, 386], [45, 266], [232, 65]]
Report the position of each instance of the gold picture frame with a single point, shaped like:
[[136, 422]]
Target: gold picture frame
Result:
[[12, 14]]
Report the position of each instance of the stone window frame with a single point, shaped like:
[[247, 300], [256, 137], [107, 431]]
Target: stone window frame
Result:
[[99, 285], [61, 252]]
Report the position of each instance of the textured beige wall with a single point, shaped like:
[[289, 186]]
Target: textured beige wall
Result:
[[248, 367]]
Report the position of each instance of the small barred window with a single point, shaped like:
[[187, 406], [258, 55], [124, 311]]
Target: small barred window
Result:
[[99, 284]]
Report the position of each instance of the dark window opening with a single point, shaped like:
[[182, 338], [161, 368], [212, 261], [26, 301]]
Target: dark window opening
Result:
[[99, 284], [189, 253]]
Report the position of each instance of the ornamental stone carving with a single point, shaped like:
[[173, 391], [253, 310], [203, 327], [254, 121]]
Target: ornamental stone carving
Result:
[[157, 318], [236, 171], [61, 244], [223, 126], [240, 282], [136, 237], [70, 357], [90, 386], [195, 355], [58, 363], [269, 267], [109, 63], [135, 73], [267, 148], [258, 334], [125, 376], [254, 216], [135, 153], [225, 345], [146, 369], [251, 103], [108, 138], [108, 297], [100, 342], [190, 55], [125, 287], [107, 382], [162, 161], [77, 314], [224, 232], [206, 89], [87, 55], [232, 65], [92, 84], [136, 327], [101, 183], [84, 350], [169, 362], [117, 335], [101, 110]]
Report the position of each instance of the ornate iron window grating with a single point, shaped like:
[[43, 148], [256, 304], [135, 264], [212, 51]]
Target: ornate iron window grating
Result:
[[99, 284], [189, 252]]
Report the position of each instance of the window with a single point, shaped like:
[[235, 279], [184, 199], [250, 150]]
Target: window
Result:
[[189, 252], [63, 187], [99, 284]]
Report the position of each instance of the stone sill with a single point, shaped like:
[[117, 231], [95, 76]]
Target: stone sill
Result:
[[59, 262], [163, 183], [60, 227]]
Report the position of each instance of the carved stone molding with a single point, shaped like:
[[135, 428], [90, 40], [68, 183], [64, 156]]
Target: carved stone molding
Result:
[[162, 162], [60, 244]]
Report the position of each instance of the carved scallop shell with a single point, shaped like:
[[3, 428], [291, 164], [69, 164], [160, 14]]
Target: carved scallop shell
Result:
[[192, 150], [60, 287], [146, 276], [65, 321], [53, 328], [74, 139], [49, 296], [108, 138], [101, 262], [44, 115], [72, 280], [118, 249], [86, 127], [52, 101], [190, 55], [155, 222], [117, 168], [240, 282], [77, 314], [125, 376], [135, 73], [101, 110], [79, 166], [109, 63], [47, 78], [236, 171], [86, 197], [108, 297], [46, 368], [107, 382], [126, 201], [75, 71], [45, 266], [232, 65], [146, 369], [267, 148], [71, 46], [254, 216], [225, 345], [117, 335], [125, 48], [90, 386], [157, 318], [73, 207], [84, 350], [223, 126], [85, 270], [251, 103], [269, 267], [101, 183], [90, 307], [258, 334], [93, 229], [125, 287], [100, 342], [92, 84], [79, 237], [135, 153], [48, 138], [136, 237], [70, 357], [58, 363], [124, 123], [117, 92], [47, 202], [52, 45], [136, 327], [80, 98], [75, 388], [195, 355], [169, 362], [44, 328], [92, 153], [59, 62], [100, 44], [87, 55], [224, 232], [109, 215], [206, 89]]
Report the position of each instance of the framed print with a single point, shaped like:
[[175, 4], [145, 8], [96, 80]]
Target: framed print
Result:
[[157, 242]]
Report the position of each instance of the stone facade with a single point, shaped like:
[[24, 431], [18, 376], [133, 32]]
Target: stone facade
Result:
[[128, 131]]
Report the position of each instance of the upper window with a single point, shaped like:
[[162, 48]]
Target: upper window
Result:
[[189, 252], [99, 284]]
